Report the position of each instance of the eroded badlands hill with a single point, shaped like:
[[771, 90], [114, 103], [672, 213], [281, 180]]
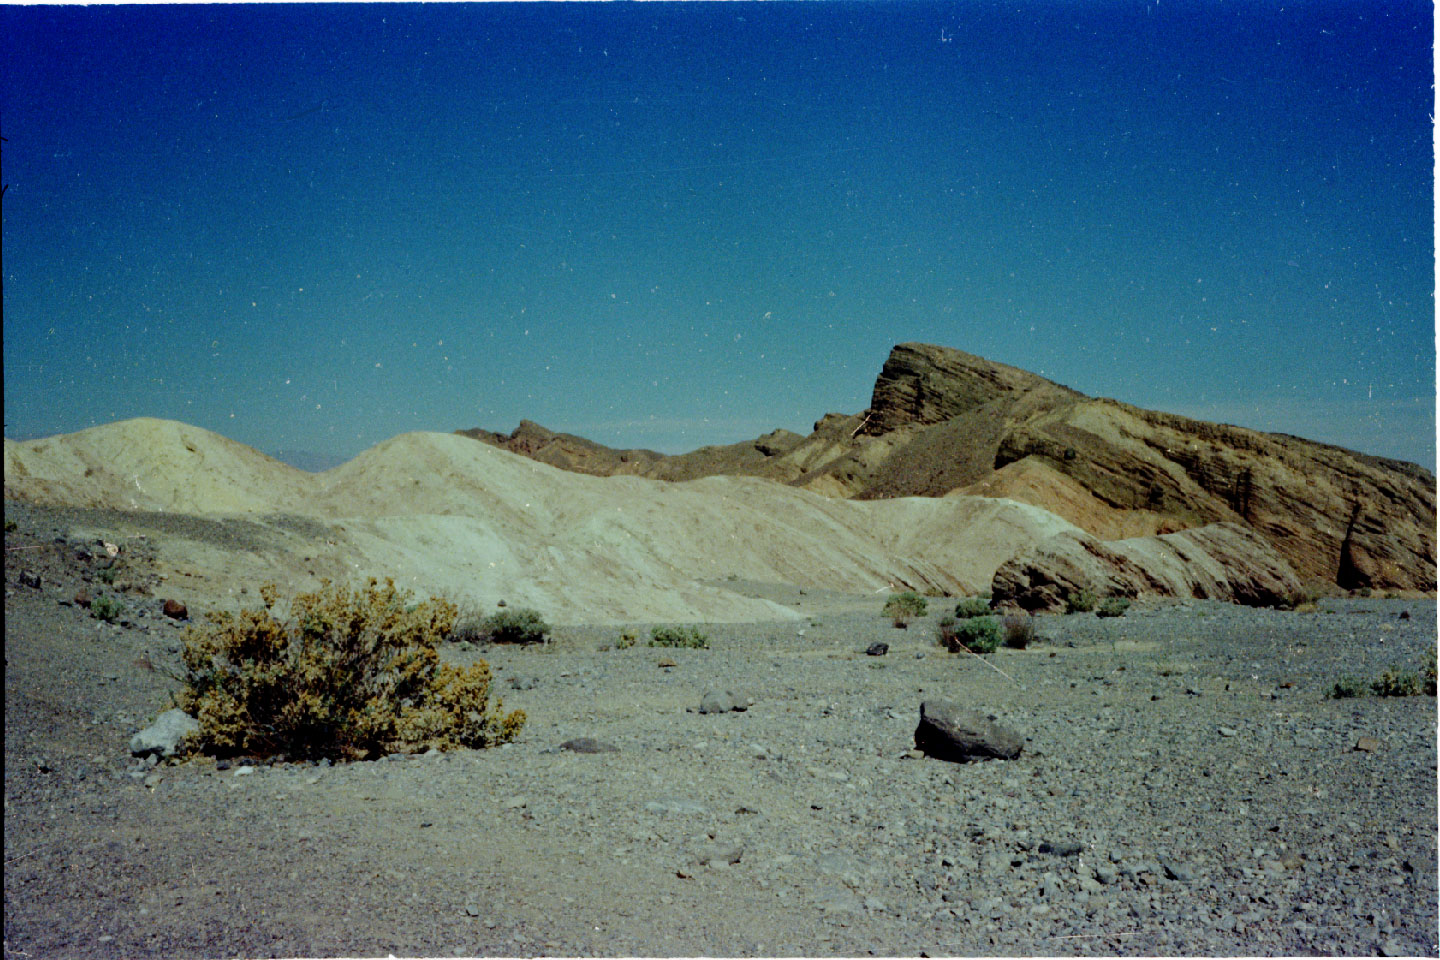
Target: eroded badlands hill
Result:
[[445, 515], [943, 422]]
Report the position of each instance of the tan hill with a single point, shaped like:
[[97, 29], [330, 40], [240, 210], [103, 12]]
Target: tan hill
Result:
[[149, 464], [943, 422], [445, 515]]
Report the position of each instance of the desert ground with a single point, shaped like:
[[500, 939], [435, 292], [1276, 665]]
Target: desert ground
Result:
[[1186, 785]]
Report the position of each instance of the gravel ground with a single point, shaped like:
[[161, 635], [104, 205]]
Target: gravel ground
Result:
[[1186, 788]]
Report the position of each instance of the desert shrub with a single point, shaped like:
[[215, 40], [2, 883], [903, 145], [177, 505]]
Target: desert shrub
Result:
[[945, 633], [1347, 687], [977, 634], [679, 637], [1394, 683], [346, 675], [107, 575], [521, 625], [972, 607], [1019, 630], [626, 641], [1082, 602], [469, 625], [1113, 607], [1299, 601], [902, 606], [1427, 676], [107, 608]]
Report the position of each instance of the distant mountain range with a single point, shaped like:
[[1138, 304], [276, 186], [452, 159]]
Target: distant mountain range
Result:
[[944, 422]]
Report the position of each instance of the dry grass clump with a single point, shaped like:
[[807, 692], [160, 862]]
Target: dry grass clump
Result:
[[347, 675], [1018, 629]]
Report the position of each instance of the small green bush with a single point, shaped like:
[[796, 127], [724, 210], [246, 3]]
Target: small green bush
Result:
[[348, 675], [1019, 630], [972, 607], [1113, 607], [107, 608], [522, 625], [1347, 687], [679, 637], [1082, 602], [1396, 684], [977, 634], [902, 606]]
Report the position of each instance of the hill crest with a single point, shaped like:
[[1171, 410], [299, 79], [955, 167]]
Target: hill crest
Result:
[[945, 422]]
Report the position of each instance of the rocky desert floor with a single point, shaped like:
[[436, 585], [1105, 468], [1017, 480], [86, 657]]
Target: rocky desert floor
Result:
[[1186, 788]]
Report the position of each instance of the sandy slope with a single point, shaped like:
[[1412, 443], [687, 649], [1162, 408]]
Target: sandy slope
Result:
[[149, 464], [445, 514]]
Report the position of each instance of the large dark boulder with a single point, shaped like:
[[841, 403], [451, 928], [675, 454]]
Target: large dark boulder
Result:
[[946, 732]]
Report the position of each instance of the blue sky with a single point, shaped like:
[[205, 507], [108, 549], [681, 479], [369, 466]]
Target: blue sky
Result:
[[667, 225]]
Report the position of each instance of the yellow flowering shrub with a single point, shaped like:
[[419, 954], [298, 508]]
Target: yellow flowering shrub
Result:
[[347, 674]]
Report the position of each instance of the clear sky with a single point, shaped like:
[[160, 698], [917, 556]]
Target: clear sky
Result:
[[310, 228]]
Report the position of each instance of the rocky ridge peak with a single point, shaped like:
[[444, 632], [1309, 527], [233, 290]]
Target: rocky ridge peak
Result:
[[924, 384]]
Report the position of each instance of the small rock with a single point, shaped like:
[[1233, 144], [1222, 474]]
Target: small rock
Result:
[[1064, 848], [667, 663], [722, 701], [30, 579], [877, 649], [1368, 744], [717, 854], [175, 610], [472, 910], [1175, 870], [589, 745], [1228, 731], [166, 735], [671, 805], [82, 598], [243, 771]]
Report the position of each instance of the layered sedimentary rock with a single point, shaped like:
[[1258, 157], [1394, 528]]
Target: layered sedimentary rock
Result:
[[1221, 561], [943, 421]]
